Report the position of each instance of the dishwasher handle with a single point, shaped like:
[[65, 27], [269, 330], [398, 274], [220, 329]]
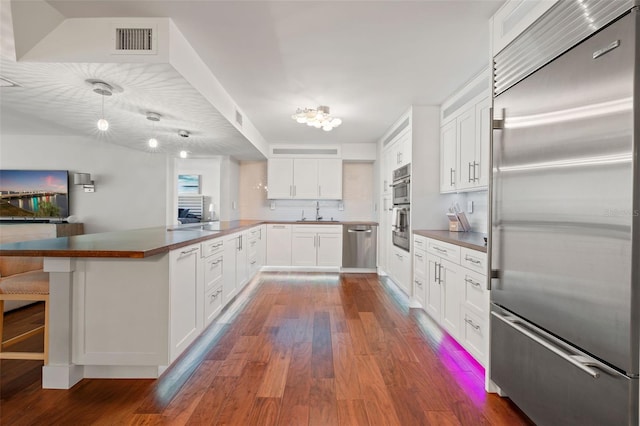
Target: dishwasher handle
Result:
[[359, 230]]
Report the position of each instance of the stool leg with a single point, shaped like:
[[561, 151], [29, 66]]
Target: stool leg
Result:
[[46, 330]]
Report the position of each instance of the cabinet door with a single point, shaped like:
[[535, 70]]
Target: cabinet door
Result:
[[186, 295], [242, 261], [279, 245], [303, 249], [419, 289], [452, 296], [404, 149], [262, 246], [329, 250], [433, 289], [401, 268], [466, 133], [280, 178], [448, 140], [483, 140], [384, 234], [229, 281], [388, 165], [305, 179], [330, 179]]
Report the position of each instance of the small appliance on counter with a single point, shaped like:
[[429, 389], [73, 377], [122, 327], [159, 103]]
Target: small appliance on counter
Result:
[[458, 220]]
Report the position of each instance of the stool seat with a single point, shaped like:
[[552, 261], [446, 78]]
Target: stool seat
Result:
[[33, 282]]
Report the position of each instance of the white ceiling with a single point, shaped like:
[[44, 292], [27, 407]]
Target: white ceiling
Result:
[[368, 60]]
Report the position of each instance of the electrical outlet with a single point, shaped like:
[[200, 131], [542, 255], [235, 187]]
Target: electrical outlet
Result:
[[272, 206], [469, 206]]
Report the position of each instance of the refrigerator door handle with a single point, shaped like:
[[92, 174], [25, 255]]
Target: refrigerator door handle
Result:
[[578, 361]]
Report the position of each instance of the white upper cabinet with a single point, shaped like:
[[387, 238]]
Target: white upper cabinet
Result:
[[280, 178], [465, 137], [513, 18], [305, 178], [448, 167]]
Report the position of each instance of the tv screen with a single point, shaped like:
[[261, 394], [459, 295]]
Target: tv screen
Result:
[[34, 193]]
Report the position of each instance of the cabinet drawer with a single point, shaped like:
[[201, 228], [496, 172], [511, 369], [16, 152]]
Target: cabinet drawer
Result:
[[473, 259], [419, 242], [474, 335], [211, 247], [252, 248], [475, 293], [254, 234], [420, 262], [444, 250], [212, 304], [212, 272]]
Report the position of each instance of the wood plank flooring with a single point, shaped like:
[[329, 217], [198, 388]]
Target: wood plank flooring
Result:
[[292, 349]]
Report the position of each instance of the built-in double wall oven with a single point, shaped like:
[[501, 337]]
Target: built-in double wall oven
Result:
[[400, 226]]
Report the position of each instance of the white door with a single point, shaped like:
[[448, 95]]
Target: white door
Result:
[[329, 250], [242, 261], [384, 234], [483, 136], [279, 245], [305, 179], [303, 249], [186, 317], [466, 123], [448, 170], [433, 289], [330, 179], [452, 294], [280, 178], [229, 282]]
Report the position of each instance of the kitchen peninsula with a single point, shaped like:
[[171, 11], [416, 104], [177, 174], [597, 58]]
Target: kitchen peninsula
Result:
[[125, 304]]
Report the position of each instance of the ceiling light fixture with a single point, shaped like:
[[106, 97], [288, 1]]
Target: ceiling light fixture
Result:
[[153, 117], [183, 154], [318, 118], [103, 89]]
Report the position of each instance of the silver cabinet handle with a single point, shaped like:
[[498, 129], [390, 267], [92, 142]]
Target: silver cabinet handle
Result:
[[451, 177], [439, 273], [475, 176], [439, 249], [471, 323], [277, 226], [472, 260], [319, 240], [469, 177], [418, 282], [253, 263], [419, 256], [576, 360], [319, 191], [189, 251], [472, 282]]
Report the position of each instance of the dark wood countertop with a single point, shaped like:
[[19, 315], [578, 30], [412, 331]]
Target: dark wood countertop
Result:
[[472, 240], [135, 243], [138, 243]]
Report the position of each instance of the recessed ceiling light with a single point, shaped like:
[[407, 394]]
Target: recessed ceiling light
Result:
[[5, 82]]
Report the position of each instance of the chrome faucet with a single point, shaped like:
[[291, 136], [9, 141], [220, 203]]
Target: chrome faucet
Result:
[[318, 217]]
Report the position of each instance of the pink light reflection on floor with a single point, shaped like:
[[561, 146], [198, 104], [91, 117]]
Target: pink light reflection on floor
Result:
[[466, 371]]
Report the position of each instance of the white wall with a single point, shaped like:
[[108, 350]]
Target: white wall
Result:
[[357, 192], [209, 171], [130, 185], [229, 189]]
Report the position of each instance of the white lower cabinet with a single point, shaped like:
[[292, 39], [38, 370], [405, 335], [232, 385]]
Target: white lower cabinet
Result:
[[453, 292], [400, 268], [278, 245], [316, 245], [213, 266], [235, 271], [186, 288]]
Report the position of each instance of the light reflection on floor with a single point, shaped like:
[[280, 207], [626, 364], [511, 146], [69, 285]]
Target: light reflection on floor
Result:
[[466, 371]]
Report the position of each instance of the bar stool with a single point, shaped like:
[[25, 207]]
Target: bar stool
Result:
[[32, 285]]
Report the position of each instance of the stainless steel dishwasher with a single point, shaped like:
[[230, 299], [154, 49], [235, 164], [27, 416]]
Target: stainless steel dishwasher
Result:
[[359, 246]]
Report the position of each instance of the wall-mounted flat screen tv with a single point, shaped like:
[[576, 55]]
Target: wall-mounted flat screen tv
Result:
[[34, 194]]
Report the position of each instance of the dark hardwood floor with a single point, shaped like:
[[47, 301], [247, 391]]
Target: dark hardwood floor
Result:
[[293, 349]]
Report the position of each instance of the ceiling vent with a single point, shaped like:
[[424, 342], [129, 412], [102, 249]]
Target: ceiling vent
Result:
[[134, 39]]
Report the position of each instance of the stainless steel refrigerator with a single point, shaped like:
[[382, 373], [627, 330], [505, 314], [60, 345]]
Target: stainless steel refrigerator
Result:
[[565, 236]]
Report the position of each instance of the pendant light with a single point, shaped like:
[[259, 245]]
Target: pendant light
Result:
[[103, 89], [153, 117]]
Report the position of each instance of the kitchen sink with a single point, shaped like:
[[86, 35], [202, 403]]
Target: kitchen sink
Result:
[[317, 221]]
